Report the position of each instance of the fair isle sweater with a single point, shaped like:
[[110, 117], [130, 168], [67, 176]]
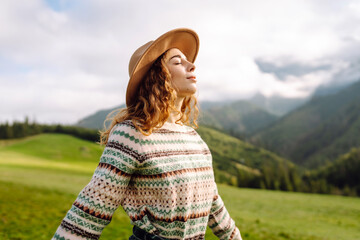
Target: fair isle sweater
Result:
[[164, 182]]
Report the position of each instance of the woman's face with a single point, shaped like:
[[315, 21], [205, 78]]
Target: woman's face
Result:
[[183, 78]]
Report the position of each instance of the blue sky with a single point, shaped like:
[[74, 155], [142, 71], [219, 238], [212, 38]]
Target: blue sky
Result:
[[63, 60], [61, 5]]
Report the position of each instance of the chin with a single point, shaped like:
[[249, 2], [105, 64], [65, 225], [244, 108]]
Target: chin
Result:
[[190, 94], [187, 94]]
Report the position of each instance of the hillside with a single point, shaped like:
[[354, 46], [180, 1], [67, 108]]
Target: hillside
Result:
[[242, 164], [96, 120], [58, 147], [37, 188], [341, 176], [277, 105], [317, 132], [235, 162], [238, 118]]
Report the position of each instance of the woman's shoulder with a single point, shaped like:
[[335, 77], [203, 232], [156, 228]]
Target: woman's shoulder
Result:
[[176, 130], [128, 129], [124, 129], [125, 124]]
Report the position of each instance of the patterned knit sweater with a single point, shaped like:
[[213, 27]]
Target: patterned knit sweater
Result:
[[164, 182]]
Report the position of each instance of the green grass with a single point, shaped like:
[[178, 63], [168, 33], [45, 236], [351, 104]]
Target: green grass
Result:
[[263, 214], [57, 147], [37, 190]]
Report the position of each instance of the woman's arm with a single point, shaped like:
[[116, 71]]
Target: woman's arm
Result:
[[93, 209], [220, 221]]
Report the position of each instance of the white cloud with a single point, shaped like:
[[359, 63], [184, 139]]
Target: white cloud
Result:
[[62, 65]]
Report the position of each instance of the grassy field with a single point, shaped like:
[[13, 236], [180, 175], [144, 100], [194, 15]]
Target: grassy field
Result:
[[41, 176]]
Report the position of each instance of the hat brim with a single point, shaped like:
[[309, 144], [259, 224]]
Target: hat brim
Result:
[[186, 40]]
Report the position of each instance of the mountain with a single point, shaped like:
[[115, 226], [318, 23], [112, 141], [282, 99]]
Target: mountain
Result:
[[320, 131], [96, 120], [242, 164], [339, 177], [329, 89], [205, 105], [237, 118], [276, 104]]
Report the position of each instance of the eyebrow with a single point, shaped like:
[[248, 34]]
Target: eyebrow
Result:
[[176, 56]]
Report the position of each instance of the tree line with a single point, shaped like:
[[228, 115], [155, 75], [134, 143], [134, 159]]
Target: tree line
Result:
[[26, 128], [339, 178]]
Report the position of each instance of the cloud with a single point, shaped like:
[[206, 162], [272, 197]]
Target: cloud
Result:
[[289, 68], [62, 60]]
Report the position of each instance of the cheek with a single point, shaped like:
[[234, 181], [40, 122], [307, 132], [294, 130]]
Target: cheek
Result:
[[176, 77], [174, 72]]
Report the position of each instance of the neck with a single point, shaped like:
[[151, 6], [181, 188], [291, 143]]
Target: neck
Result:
[[175, 115]]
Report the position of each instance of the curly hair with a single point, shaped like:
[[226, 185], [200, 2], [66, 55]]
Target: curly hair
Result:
[[156, 100]]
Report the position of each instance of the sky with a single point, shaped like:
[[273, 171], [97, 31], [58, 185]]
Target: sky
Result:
[[62, 60]]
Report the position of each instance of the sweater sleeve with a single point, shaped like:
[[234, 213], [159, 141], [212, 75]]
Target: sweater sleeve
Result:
[[93, 209], [220, 222]]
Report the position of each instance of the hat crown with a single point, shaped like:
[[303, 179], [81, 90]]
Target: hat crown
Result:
[[137, 55]]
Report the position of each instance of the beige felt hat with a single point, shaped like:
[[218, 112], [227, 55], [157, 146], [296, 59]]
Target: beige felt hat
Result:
[[186, 40]]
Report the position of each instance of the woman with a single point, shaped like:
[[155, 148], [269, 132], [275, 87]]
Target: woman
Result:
[[154, 164]]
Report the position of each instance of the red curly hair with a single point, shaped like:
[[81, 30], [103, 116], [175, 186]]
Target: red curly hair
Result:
[[156, 100]]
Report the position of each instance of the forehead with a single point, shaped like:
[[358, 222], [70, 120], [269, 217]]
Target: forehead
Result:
[[174, 52]]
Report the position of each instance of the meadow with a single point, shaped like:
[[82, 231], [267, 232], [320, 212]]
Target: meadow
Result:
[[40, 177]]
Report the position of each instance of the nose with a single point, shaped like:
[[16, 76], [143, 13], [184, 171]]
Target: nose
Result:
[[191, 67]]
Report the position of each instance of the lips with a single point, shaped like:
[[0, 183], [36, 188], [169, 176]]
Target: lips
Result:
[[192, 78]]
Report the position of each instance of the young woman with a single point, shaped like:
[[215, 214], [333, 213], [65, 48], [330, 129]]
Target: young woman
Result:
[[154, 164]]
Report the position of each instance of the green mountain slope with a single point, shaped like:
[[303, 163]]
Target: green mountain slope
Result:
[[341, 176], [237, 118], [277, 105], [58, 147], [242, 164], [96, 120], [319, 131], [235, 162]]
